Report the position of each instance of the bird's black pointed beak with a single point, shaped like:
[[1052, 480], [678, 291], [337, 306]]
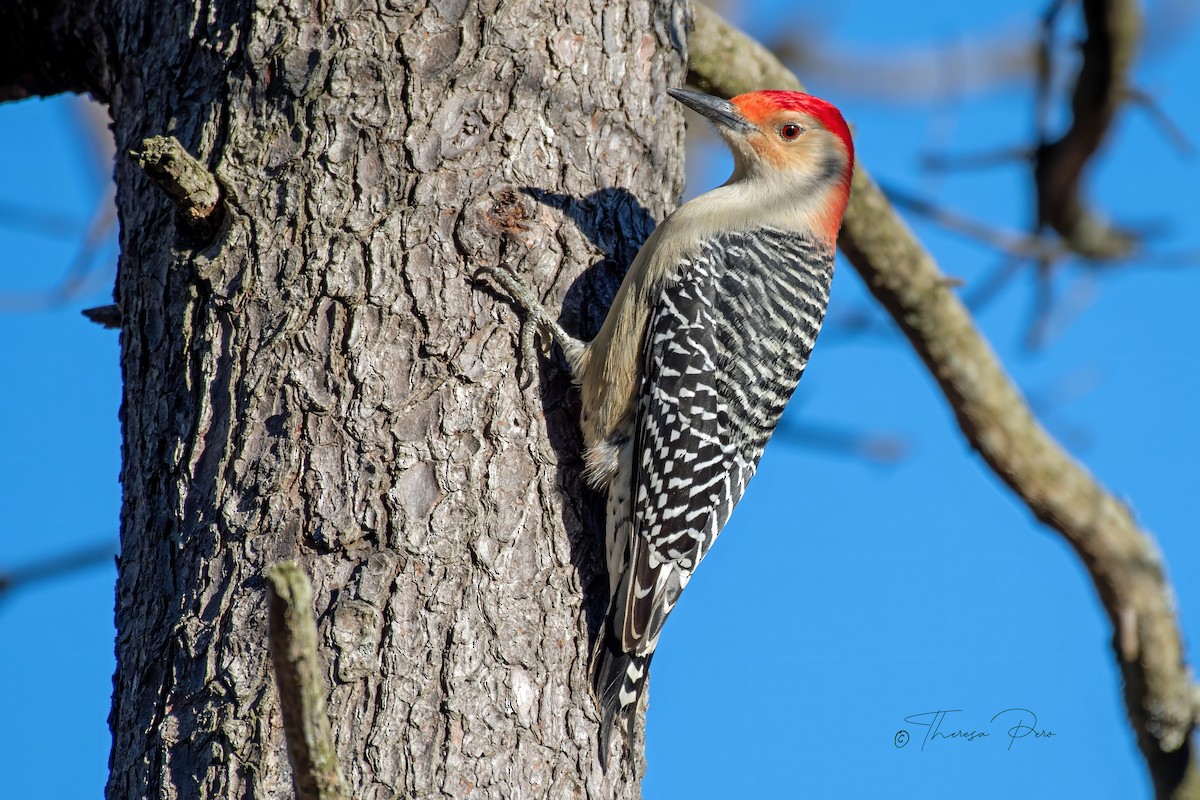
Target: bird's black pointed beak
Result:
[[722, 112]]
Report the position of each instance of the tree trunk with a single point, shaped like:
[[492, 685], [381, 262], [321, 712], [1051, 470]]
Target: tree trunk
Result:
[[323, 380]]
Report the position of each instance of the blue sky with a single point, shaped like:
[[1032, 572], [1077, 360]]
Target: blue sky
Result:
[[845, 595]]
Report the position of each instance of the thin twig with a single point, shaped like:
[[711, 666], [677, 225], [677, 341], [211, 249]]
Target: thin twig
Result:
[[940, 72], [43, 221], [81, 276], [57, 566], [315, 771], [947, 162], [1009, 242], [1102, 86], [881, 448], [1174, 135]]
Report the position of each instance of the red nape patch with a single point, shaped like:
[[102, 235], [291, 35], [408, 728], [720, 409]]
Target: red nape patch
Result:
[[757, 105]]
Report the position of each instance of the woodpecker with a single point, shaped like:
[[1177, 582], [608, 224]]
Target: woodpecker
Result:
[[705, 342]]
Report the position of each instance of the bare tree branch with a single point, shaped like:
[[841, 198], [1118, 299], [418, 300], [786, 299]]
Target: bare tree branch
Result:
[[881, 448], [1011, 243], [44, 221], [1174, 135], [952, 69], [1122, 560], [82, 275], [1114, 29], [85, 272], [931, 73], [315, 771], [57, 566]]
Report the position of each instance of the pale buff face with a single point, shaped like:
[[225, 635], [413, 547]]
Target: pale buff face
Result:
[[792, 158]]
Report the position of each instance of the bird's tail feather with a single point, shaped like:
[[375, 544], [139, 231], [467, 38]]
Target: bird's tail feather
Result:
[[618, 680]]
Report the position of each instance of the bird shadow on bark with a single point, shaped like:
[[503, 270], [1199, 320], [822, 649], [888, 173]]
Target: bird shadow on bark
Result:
[[616, 224]]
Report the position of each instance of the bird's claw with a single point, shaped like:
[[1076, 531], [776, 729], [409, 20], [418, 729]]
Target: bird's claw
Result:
[[528, 353], [533, 315]]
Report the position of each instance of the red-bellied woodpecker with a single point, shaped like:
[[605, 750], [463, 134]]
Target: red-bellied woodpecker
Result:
[[703, 346]]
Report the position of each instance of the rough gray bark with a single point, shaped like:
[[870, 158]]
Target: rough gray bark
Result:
[[322, 380]]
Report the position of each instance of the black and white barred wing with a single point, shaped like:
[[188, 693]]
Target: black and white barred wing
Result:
[[728, 341]]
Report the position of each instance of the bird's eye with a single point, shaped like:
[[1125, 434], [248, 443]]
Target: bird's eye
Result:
[[790, 131]]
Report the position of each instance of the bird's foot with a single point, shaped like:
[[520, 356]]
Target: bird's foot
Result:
[[535, 316]]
